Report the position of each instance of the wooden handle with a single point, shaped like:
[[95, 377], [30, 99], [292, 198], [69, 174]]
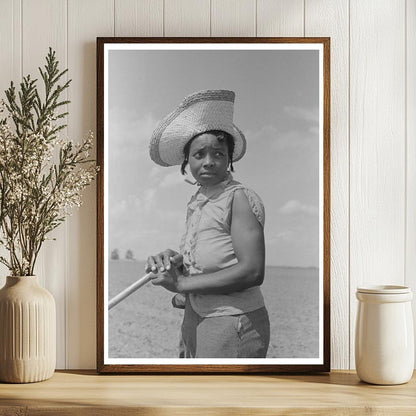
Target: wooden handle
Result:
[[129, 290]]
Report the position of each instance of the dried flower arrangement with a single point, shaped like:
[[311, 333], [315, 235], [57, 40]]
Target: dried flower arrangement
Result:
[[42, 176]]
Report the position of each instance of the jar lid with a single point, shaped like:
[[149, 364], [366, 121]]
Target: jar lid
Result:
[[384, 289]]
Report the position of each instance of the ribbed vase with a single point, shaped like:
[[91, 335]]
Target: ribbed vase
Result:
[[27, 331]]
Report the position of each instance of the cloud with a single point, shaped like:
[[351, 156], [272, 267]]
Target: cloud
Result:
[[294, 140], [299, 135], [172, 179], [267, 131], [277, 238], [148, 199], [278, 139], [294, 207], [118, 208], [121, 211], [310, 115], [284, 235], [129, 133], [314, 130], [156, 171]]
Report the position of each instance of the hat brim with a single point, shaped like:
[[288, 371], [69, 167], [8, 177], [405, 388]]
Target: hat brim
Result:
[[175, 130]]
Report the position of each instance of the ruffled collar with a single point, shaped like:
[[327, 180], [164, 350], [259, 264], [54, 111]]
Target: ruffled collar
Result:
[[210, 191]]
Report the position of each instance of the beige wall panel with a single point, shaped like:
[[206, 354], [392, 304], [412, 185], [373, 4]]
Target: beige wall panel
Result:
[[233, 18], [330, 18], [376, 206], [86, 21], [280, 18], [187, 18], [377, 152], [10, 44], [10, 66], [44, 26], [411, 152], [6, 46], [138, 17]]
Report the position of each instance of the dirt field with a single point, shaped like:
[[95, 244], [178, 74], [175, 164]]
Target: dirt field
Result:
[[145, 325]]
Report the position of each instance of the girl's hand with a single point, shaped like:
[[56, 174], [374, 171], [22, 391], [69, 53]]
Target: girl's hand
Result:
[[163, 261], [170, 279]]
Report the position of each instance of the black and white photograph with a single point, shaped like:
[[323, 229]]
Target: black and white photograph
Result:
[[212, 205]]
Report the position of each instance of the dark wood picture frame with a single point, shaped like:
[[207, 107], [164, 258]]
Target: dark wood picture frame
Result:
[[102, 297]]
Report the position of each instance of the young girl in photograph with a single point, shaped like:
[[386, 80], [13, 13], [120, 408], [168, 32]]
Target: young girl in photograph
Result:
[[218, 271]]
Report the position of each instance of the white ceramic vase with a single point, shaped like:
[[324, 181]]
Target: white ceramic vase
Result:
[[384, 341], [27, 331]]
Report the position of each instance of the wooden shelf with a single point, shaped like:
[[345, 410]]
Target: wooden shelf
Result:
[[86, 393]]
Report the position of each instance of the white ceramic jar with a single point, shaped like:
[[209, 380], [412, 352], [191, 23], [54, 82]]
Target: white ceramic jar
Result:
[[384, 338]]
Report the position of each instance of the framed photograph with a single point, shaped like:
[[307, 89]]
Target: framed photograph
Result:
[[213, 220]]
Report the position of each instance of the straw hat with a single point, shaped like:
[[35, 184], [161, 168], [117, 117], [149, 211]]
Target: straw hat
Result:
[[199, 112]]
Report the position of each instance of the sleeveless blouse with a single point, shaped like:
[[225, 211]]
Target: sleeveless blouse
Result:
[[207, 246]]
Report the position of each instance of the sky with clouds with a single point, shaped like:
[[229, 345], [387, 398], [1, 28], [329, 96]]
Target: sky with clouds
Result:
[[276, 106]]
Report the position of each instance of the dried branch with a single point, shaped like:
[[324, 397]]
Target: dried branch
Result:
[[36, 193]]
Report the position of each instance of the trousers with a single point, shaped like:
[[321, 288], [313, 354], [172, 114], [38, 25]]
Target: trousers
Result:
[[245, 335]]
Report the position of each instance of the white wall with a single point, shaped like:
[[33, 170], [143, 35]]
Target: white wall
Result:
[[373, 132]]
